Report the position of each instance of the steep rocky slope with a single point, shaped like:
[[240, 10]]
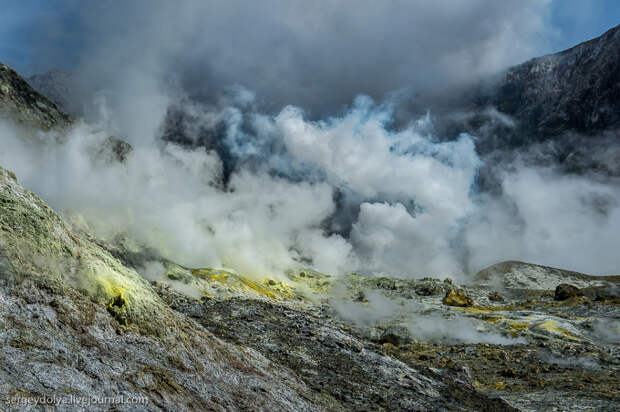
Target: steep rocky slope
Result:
[[20, 102], [565, 106], [76, 321], [577, 89]]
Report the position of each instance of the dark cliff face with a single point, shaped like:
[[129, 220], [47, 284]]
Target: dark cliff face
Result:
[[568, 101], [562, 109], [23, 104], [577, 89]]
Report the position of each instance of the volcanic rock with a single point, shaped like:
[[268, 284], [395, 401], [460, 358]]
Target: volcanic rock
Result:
[[565, 291], [21, 103], [456, 297]]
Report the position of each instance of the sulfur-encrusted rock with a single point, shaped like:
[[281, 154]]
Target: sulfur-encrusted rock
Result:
[[75, 320], [455, 297]]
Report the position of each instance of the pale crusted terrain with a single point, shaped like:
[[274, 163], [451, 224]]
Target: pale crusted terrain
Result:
[[512, 335], [75, 320]]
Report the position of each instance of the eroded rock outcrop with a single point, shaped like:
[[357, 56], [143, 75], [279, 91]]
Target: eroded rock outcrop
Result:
[[457, 298], [577, 89], [21, 103]]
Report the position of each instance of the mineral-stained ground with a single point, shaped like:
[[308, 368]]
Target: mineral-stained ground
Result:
[[76, 317]]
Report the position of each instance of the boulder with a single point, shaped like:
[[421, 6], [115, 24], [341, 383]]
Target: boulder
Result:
[[456, 297], [564, 291]]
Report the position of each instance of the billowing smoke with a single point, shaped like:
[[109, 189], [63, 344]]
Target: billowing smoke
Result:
[[545, 216], [317, 55], [269, 135], [416, 321], [342, 194]]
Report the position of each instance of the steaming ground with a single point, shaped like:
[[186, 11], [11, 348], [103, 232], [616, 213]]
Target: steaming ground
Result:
[[342, 194], [418, 320]]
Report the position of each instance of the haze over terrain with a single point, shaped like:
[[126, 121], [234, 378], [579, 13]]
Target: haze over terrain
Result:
[[346, 205], [341, 137]]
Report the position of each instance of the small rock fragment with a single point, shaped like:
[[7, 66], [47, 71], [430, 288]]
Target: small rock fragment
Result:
[[360, 296]]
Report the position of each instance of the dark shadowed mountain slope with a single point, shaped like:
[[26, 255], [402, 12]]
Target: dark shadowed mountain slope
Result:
[[20, 102], [577, 89], [561, 109], [548, 99]]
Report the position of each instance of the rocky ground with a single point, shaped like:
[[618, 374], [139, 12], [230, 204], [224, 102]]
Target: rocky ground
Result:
[[511, 335], [78, 320]]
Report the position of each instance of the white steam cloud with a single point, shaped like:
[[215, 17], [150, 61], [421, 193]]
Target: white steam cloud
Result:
[[416, 321], [546, 217], [410, 200]]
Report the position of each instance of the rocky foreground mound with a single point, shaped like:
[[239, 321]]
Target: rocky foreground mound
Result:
[[78, 320]]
